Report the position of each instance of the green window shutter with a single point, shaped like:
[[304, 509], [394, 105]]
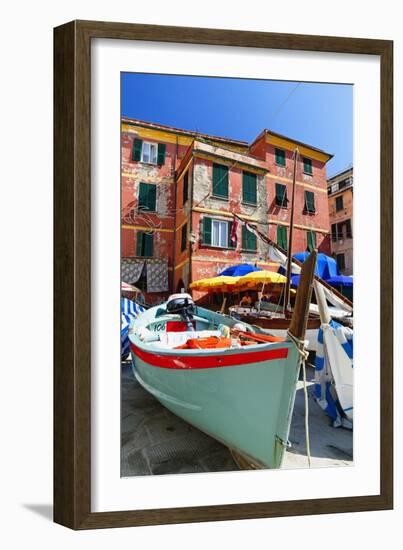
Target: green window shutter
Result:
[[161, 154], [280, 157], [206, 230], [136, 150], [282, 236], [152, 197], [220, 181], [184, 237], [145, 244], [249, 240], [143, 196], [249, 188], [311, 240], [147, 197], [307, 165], [281, 195], [309, 201], [148, 244]]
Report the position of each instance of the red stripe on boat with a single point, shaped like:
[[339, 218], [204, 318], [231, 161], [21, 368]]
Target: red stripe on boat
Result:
[[207, 361]]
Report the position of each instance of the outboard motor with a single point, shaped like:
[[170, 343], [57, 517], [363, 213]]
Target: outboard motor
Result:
[[183, 305]]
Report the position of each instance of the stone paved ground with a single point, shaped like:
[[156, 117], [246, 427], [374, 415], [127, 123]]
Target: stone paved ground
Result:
[[155, 441]]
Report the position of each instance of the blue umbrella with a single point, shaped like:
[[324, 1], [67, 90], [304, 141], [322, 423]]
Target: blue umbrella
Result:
[[239, 270]]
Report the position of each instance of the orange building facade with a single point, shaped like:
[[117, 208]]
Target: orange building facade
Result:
[[340, 197], [181, 189]]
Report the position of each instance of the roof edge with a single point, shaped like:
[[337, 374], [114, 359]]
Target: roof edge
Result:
[[172, 129]]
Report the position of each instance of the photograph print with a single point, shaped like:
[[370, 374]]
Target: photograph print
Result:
[[236, 274]]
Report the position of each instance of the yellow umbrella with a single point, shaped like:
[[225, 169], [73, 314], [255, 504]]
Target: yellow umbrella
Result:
[[261, 277], [221, 283]]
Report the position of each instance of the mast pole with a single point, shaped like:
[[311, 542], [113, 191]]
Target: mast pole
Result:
[[289, 251]]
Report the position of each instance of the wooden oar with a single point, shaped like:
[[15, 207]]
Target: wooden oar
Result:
[[301, 309]]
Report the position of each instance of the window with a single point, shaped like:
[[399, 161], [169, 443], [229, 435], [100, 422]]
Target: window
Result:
[[341, 261], [349, 233], [145, 244], [147, 197], [249, 240], [149, 152], [281, 195], [185, 183], [184, 237], [310, 240], [280, 157], [249, 188], [309, 202], [282, 236], [219, 233], [307, 165], [220, 181], [341, 231], [334, 232], [339, 203], [145, 151]]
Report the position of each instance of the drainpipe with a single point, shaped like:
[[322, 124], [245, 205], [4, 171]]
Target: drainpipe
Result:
[[190, 185], [175, 203]]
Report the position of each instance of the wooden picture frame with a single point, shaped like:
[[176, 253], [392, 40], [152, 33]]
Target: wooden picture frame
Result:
[[72, 271]]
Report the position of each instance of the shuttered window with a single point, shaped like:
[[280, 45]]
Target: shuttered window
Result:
[[149, 152], [307, 165], [220, 181], [281, 195], [147, 197], [249, 188], [145, 244], [310, 240], [217, 233], [184, 237], [309, 202], [334, 232], [282, 236], [280, 157], [249, 240], [185, 183]]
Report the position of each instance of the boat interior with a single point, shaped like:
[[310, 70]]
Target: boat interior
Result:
[[179, 324]]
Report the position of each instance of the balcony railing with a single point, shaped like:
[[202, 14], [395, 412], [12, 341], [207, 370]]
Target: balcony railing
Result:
[[343, 184]]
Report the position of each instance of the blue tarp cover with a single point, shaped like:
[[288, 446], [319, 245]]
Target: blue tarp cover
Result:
[[325, 265], [239, 270], [340, 280]]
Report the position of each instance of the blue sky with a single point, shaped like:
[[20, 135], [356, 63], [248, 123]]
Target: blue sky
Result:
[[318, 114]]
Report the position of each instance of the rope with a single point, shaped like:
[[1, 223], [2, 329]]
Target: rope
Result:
[[303, 356]]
